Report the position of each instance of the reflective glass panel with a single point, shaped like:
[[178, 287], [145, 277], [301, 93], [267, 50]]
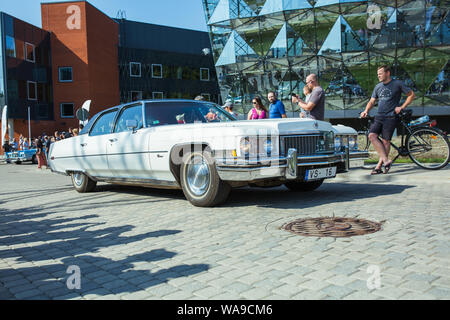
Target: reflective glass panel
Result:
[[131, 113], [10, 46], [104, 125]]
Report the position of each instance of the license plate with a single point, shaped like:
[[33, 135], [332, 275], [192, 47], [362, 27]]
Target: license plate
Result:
[[323, 173]]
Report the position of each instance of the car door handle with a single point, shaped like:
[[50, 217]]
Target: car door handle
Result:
[[112, 140], [83, 144]]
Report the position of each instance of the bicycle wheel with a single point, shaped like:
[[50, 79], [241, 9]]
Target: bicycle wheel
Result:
[[428, 148], [363, 140]]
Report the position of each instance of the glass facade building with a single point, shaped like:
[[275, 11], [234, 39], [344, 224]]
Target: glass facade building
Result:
[[263, 45]]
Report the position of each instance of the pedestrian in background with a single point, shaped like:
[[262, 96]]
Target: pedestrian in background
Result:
[[21, 142], [316, 103], [276, 108], [14, 144], [258, 111], [229, 108], [388, 92], [40, 153], [47, 143], [6, 146], [25, 145]]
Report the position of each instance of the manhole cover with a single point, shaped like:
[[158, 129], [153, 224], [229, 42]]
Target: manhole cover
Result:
[[332, 227]]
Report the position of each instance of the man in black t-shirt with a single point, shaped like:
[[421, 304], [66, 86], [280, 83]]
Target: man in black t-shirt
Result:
[[388, 93], [6, 146]]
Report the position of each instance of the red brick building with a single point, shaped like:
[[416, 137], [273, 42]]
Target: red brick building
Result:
[[86, 41], [82, 54], [81, 63]]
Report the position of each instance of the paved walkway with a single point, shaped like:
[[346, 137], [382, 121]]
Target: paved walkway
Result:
[[137, 243]]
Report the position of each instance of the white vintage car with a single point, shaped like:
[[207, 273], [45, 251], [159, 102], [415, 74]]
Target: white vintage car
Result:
[[199, 147]]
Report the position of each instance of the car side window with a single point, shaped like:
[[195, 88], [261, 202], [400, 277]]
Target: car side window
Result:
[[131, 113], [104, 124]]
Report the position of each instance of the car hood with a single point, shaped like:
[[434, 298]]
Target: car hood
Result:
[[247, 127]]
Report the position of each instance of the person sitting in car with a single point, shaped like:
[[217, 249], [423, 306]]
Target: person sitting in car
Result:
[[211, 116]]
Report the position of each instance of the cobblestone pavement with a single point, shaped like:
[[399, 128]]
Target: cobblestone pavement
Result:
[[137, 243]]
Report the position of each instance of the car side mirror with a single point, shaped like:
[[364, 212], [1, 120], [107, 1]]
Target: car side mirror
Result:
[[132, 124]]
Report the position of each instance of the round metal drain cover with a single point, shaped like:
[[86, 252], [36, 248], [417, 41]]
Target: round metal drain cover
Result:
[[332, 227]]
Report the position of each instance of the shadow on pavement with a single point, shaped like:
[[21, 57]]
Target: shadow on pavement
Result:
[[281, 197], [42, 246]]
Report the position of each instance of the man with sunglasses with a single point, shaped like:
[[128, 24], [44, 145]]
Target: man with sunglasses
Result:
[[316, 102]]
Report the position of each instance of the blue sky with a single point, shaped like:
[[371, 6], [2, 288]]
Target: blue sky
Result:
[[175, 13]]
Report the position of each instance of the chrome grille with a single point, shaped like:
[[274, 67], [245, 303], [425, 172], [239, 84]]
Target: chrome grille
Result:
[[305, 144]]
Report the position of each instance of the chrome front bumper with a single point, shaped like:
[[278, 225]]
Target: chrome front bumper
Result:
[[290, 167]]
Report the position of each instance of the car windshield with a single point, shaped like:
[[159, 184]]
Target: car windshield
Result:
[[183, 112]]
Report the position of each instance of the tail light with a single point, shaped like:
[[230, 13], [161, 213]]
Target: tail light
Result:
[[433, 123]]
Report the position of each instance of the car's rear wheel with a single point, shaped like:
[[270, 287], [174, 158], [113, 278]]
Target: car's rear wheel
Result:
[[303, 186], [34, 159], [200, 182], [83, 183]]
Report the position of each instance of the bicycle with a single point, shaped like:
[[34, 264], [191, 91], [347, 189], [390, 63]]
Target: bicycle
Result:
[[424, 143]]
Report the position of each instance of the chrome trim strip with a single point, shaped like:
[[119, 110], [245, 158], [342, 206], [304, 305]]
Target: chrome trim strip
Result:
[[291, 171], [142, 182], [269, 162], [347, 158], [282, 168], [360, 155]]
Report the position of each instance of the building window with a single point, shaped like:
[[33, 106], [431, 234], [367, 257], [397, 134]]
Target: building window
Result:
[[41, 94], [31, 90], [135, 95], [204, 74], [43, 111], [29, 52], [65, 74], [158, 95], [157, 71], [207, 96], [67, 110], [135, 69], [10, 47]]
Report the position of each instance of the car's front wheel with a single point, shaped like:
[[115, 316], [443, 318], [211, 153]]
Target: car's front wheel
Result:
[[200, 182], [303, 186], [82, 183]]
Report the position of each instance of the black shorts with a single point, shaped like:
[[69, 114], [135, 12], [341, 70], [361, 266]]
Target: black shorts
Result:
[[384, 126]]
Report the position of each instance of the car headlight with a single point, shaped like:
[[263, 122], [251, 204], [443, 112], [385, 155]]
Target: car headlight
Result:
[[337, 143], [267, 145], [257, 146], [326, 143], [245, 146]]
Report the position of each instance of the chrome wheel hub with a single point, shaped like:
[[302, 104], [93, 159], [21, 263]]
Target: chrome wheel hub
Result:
[[197, 175], [78, 178]]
